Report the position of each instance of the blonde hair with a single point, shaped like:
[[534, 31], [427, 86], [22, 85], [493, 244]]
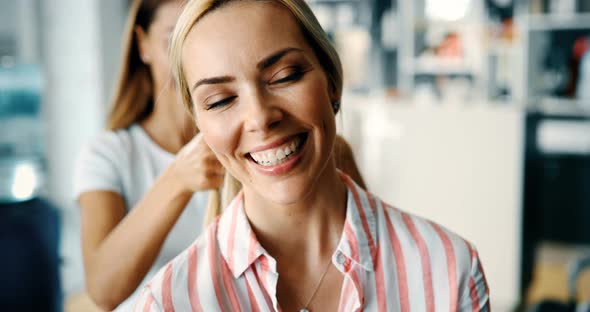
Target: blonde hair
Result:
[[133, 99], [313, 33]]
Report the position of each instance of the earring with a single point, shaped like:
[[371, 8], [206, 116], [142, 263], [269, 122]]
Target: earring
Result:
[[336, 106], [145, 59]]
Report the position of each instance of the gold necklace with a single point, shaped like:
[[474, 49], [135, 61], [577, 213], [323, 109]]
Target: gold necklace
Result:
[[317, 287]]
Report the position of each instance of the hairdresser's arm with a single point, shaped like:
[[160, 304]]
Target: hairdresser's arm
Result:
[[120, 249], [345, 161]]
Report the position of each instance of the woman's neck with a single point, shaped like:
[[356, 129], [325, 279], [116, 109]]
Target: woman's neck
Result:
[[309, 229], [169, 125]]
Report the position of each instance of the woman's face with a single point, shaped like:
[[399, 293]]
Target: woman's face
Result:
[[261, 98], [154, 43]]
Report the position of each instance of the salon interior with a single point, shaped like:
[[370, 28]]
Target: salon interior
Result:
[[472, 113]]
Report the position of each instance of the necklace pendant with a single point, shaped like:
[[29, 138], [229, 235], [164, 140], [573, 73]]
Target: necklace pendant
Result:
[[304, 310]]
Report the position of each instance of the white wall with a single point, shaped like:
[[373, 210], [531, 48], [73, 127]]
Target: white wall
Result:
[[74, 91], [81, 47]]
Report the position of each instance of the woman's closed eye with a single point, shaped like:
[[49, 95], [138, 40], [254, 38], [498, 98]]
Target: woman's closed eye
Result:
[[287, 75], [220, 103]]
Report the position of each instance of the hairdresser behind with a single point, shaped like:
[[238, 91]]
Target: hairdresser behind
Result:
[[140, 186]]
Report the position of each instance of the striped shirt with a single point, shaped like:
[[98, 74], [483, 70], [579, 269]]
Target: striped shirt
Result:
[[390, 259]]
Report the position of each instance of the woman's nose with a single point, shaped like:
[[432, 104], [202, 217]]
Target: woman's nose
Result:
[[263, 113]]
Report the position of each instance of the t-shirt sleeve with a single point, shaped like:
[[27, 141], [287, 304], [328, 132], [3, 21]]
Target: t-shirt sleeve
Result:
[[98, 166]]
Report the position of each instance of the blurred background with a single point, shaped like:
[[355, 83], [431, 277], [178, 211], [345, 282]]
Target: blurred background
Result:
[[471, 113]]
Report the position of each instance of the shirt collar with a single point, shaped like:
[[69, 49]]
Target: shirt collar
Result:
[[240, 248], [237, 241], [359, 236]]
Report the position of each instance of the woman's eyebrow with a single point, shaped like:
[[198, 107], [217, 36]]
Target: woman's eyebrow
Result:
[[265, 63], [275, 57], [213, 80]]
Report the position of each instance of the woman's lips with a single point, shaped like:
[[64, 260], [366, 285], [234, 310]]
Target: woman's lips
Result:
[[283, 165]]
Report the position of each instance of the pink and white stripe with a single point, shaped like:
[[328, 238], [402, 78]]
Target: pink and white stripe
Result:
[[391, 261]]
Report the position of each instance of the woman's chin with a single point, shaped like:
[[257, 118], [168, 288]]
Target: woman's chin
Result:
[[283, 195]]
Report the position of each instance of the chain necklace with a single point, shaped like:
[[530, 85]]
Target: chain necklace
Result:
[[305, 307]]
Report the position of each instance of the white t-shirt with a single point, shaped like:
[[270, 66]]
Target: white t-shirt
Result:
[[128, 162]]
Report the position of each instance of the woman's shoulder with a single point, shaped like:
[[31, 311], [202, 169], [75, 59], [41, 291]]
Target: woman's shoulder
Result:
[[113, 146], [434, 254], [205, 244], [423, 242], [201, 258], [110, 140], [416, 237], [101, 161], [429, 236]]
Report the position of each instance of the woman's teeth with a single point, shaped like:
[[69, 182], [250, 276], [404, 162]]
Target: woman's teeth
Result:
[[275, 156]]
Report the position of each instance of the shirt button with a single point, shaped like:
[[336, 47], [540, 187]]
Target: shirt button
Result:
[[340, 258]]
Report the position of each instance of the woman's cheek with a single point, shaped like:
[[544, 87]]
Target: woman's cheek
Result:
[[218, 140]]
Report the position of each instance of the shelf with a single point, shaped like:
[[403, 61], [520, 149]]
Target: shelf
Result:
[[561, 107], [442, 68], [547, 22]]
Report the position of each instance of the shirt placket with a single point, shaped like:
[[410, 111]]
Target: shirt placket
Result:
[[272, 279], [353, 274]]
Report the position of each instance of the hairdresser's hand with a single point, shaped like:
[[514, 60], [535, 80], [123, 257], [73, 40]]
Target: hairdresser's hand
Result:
[[196, 167]]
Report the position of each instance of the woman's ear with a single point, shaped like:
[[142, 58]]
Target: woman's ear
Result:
[[334, 99], [334, 96], [142, 44]]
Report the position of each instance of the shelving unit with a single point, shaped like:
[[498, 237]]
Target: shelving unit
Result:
[[358, 26], [415, 67], [545, 38], [537, 31], [548, 22]]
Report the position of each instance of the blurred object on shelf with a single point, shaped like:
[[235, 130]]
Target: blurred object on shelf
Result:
[[536, 6], [553, 263], [390, 29], [564, 137], [335, 15], [581, 45], [562, 7], [554, 62], [366, 37], [501, 53], [503, 3], [583, 86], [556, 36], [562, 107], [582, 53], [444, 66], [500, 9], [501, 64], [450, 47], [353, 45], [507, 29]]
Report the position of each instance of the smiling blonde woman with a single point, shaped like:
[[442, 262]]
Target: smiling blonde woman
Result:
[[264, 84]]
